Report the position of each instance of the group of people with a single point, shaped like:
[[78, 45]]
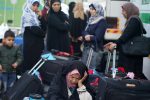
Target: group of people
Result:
[[61, 31]]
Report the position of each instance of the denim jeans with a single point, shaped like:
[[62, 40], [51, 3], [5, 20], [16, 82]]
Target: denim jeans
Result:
[[8, 79]]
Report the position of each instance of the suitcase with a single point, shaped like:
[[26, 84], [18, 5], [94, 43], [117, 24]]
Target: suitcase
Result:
[[114, 88], [27, 84], [50, 68]]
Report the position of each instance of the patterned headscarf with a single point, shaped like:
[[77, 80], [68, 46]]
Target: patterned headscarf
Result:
[[99, 12], [29, 18], [130, 9]]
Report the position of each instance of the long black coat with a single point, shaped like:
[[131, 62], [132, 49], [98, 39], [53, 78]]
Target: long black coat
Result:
[[131, 63], [33, 46], [77, 26], [57, 37]]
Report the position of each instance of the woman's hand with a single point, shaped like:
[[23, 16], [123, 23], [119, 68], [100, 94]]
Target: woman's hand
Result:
[[110, 46], [39, 13], [1, 68], [88, 37], [80, 38], [80, 82]]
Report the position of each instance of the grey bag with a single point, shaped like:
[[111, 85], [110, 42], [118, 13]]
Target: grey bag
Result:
[[91, 58]]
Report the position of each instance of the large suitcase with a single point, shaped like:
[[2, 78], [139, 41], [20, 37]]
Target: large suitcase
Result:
[[27, 84], [50, 68], [114, 88]]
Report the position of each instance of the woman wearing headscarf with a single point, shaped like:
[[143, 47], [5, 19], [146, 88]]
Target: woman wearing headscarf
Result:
[[94, 34], [78, 23], [96, 27], [132, 29], [71, 7], [58, 27], [70, 83], [33, 36]]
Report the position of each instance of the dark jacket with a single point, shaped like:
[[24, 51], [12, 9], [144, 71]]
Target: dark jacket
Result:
[[8, 56], [77, 26], [132, 29], [131, 63], [57, 37], [98, 30]]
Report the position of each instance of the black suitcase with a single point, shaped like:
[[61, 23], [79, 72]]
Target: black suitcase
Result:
[[105, 88], [118, 89], [50, 68], [27, 84], [114, 89]]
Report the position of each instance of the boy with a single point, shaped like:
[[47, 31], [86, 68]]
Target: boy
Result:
[[10, 58]]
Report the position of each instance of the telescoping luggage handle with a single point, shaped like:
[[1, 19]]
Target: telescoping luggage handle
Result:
[[114, 69], [38, 65], [89, 58]]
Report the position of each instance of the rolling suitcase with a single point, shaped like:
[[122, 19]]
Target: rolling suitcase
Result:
[[50, 68], [107, 88], [127, 89], [27, 84]]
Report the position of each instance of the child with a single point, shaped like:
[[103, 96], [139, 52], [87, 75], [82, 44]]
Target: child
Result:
[[70, 83], [10, 58]]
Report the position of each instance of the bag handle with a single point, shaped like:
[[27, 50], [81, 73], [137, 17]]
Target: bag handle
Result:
[[141, 25]]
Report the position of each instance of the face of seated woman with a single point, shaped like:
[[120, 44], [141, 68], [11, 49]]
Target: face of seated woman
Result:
[[74, 78]]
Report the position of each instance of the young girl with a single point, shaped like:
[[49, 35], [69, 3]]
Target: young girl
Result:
[[33, 35], [70, 83]]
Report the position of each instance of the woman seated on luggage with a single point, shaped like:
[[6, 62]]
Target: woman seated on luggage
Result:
[[70, 83]]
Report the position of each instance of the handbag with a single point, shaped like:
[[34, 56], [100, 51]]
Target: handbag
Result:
[[91, 58], [137, 46], [92, 55]]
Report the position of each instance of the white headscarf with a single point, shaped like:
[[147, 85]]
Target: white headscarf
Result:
[[29, 18]]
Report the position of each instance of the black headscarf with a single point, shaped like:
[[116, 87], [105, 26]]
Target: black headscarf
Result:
[[51, 3], [71, 6], [74, 65]]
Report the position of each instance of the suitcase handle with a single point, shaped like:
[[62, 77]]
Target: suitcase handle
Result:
[[114, 69], [38, 65]]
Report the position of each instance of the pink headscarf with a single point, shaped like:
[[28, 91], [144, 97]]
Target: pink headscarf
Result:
[[75, 71]]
